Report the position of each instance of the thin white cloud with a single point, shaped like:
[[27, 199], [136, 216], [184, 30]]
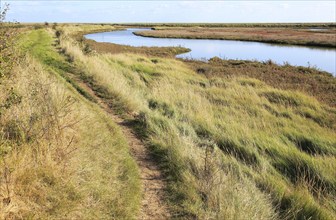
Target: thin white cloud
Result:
[[173, 11]]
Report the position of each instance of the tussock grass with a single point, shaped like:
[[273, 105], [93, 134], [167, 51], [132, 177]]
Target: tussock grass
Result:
[[229, 147], [311, 81]]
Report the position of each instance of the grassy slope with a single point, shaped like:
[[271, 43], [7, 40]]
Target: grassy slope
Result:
[[230, 147], [79, 167]]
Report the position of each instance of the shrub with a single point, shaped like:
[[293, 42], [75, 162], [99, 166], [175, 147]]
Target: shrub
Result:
[[8, 57], [58, 33], [87, 49]]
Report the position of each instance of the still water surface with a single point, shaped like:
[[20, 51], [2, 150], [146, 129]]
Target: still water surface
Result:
[[321, 58]]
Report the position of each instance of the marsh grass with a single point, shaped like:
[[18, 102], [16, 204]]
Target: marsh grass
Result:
[[265, 148], [318, 84], [230, 147], [294, 35], [268, 25]]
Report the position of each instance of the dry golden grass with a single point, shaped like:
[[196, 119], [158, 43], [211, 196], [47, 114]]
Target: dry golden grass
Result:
[[231, 148], [311, 81], [271, 150], [61, 156]]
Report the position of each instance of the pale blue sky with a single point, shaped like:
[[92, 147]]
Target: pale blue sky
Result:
[[171, 11]]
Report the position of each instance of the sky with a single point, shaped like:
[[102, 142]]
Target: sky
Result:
[[171, 11]]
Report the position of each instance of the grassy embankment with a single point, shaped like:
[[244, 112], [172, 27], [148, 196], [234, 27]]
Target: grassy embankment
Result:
[[283, 35], [233, 148], [61, 155]]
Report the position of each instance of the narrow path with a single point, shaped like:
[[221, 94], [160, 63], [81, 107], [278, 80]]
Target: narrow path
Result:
[[153, 182]]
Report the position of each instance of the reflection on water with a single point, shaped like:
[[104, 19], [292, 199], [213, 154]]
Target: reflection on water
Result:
[[318, 29], [321, 58]]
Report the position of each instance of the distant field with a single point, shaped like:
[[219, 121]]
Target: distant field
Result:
[[269, 25], [324, 36]]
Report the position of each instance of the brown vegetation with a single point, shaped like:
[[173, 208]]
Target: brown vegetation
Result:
[[266, 25], [116, 48], [324, 38], [320, 85], [150, 51]]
